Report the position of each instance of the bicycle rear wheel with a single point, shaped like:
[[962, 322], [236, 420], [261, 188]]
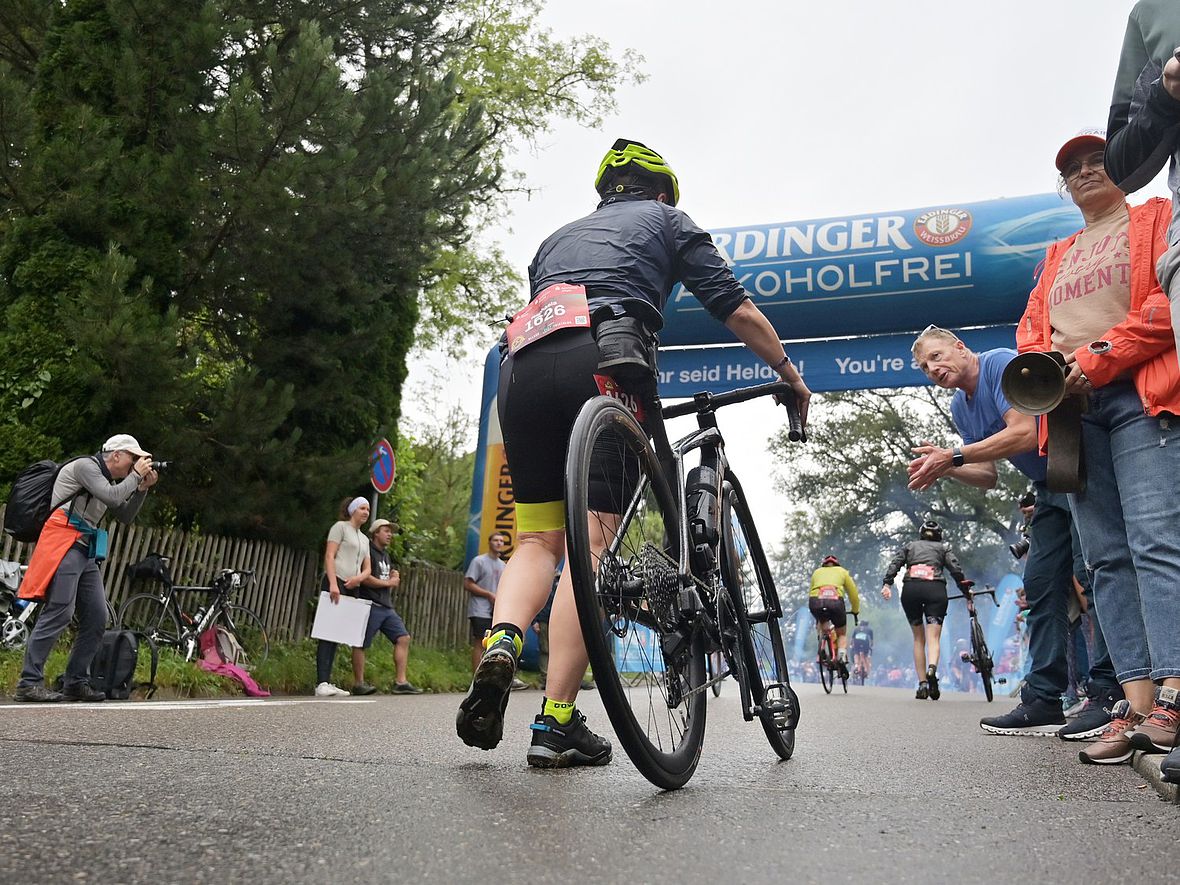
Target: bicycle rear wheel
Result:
[[750, 586], [827, 676], [250, 632], [148, 614], [982, 658], [648, 661]]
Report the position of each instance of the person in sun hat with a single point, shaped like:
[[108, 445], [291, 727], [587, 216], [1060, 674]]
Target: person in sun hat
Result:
[[378, 588], [64, 568]]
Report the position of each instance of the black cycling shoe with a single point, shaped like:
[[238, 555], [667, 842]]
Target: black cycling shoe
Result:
[[561, 746], [932, 678], [480, 722], [923, 691]]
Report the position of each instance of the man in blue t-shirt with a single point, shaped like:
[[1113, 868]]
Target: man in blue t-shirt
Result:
[[991, 430]]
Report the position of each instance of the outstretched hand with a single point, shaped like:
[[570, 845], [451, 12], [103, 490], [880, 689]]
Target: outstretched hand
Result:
[[930, 465]]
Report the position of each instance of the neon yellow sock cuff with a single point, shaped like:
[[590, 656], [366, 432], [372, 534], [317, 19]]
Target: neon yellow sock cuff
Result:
[[492, 639], [559, 710]]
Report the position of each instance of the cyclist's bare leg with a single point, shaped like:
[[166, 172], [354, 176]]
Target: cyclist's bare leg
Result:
[[842, 640], [567, 649], [919, 650], [528, 578], [933, 639]]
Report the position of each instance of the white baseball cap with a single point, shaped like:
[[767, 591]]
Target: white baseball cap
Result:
[[125, 442], [1094, 138]]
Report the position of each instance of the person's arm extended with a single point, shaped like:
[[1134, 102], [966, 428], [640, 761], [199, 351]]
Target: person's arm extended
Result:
[[952, 566], [853, 594], [894, 567], [754, 330], [979, 469]]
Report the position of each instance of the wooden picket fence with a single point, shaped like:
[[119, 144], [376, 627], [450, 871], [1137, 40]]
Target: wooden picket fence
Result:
[[431, 599]]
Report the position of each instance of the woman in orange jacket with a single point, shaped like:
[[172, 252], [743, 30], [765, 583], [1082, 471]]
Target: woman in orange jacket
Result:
[[1099, 304]]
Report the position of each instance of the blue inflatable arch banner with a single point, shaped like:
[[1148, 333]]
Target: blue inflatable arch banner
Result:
[[846, 295]]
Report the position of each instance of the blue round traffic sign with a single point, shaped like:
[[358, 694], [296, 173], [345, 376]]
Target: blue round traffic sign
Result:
[[382, 466]]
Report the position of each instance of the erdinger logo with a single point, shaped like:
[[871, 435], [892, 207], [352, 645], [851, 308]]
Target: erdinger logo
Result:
[[942, 227]]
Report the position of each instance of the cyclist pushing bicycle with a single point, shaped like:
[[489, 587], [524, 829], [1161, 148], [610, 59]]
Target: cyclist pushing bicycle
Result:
[[830, 584], [924, 599], [598, 289]]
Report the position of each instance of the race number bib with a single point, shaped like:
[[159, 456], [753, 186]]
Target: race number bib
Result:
[[607, 386], [829, 592], [922, 572], [561, 306]]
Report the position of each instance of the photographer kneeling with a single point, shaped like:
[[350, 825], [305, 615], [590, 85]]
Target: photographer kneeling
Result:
[[64, 569]]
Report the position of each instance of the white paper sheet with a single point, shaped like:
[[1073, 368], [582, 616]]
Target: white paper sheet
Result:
[[343, 622]]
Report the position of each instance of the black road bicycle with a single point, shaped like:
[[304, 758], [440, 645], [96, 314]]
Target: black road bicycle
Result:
[[668, 568], [160, 617], [979, 656]]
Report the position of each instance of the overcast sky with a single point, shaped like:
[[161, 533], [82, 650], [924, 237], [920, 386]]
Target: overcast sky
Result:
[[787, 110]]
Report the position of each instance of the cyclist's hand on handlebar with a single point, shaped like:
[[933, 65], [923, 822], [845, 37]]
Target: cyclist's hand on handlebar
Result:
[[966, 584]]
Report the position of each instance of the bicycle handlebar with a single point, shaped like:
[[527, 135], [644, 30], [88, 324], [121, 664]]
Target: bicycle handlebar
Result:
[[705, 401]]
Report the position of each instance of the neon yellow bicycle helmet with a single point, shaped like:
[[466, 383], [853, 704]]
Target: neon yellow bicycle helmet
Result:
[[624, 152]]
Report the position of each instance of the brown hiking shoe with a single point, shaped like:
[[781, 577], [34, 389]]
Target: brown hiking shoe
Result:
[[1113, 746], [1157, 733]]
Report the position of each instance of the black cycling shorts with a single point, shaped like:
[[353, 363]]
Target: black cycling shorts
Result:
[[542, 389], [828, 610], [923, 601]]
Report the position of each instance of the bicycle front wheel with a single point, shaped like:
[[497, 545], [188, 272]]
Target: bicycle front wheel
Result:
[[623, 538], [983, 658], [250, 632], [750, 586], [148, 614]]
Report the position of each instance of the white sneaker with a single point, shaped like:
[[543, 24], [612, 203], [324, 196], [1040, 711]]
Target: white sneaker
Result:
[[328, 690]]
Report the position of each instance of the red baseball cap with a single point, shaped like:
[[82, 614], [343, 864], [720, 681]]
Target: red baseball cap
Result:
[[1094, 139]]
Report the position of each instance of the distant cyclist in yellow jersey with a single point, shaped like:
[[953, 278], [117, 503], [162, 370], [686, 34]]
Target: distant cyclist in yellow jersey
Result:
[[830, 583]]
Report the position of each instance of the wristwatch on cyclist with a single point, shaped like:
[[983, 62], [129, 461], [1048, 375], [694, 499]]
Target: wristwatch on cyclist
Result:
[[957, 457]]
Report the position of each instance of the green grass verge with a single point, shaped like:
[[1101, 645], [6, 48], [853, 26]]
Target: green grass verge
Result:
[[289, 670]]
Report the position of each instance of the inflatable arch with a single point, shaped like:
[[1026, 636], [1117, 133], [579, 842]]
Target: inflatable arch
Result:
[[846, 295]]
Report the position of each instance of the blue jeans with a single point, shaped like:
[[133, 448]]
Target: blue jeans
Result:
[[1129, 523], [1048, 584]]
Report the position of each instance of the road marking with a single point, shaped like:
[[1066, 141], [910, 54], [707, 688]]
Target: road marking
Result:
[[209, 704]]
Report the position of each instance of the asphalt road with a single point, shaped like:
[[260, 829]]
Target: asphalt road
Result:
[[882, 788]]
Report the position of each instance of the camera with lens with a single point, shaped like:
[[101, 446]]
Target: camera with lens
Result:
[[1020, 548], [160, 465]]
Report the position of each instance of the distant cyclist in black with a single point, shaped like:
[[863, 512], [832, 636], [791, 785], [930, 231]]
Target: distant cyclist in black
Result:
[[612, 269], [923, 598]]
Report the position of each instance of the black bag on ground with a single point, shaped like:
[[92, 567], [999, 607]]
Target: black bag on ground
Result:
[[113, 669], [30, 502]]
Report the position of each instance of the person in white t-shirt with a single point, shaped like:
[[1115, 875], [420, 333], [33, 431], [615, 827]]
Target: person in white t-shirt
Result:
[[346, 565]]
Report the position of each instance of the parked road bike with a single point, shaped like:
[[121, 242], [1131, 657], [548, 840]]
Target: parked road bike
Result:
[[979, 656], [827, 660], [669, 571], [160, 616]]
